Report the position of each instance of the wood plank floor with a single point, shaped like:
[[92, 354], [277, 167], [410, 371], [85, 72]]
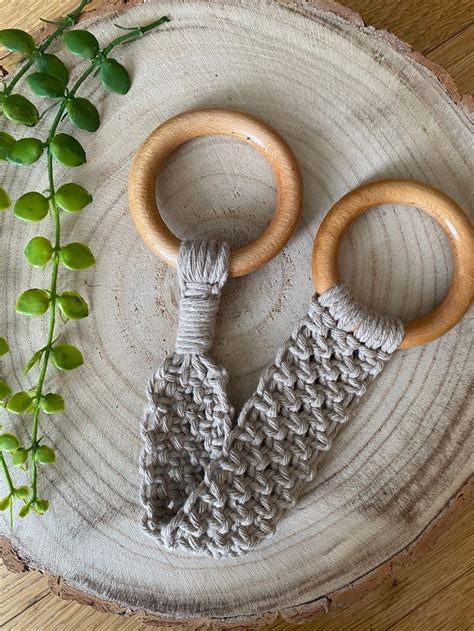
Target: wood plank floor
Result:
[[435, 593]]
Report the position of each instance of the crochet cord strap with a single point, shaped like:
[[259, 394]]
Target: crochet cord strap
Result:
[[216, 485]]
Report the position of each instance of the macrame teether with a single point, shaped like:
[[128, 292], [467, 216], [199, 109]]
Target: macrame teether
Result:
[[213, 489], [218, 484]]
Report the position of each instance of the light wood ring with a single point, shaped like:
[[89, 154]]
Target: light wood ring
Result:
[[213, 121], [442, 209]]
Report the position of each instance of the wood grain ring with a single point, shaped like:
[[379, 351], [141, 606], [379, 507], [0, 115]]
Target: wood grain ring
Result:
[[214, 121], [442, 209]]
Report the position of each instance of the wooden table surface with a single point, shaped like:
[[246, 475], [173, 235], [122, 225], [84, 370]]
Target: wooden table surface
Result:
[[434, 593]]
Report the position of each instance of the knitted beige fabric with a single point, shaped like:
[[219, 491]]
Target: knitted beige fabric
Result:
[[213, 485]]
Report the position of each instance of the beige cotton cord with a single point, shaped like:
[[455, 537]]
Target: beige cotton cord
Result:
[[213, 484]]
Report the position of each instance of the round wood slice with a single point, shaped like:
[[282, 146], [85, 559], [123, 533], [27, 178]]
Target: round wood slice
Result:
[[355, 105]]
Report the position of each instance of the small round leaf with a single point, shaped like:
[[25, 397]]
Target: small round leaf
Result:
[[31, 206], [5, 201], [67, 150], [76, 256], [25, 151], [83, 114], [53, 66], [81, 43], [8, 442], [19, 456], [39, 251], [4, 348], [45, 455], [24, 510], [5, 390], [21, 492], [18, 41], [41, 506], [5, 502], [19, 403], [33, 302], [67, 357], [73, 305], [52, 403], [72, 197], [19, 109], [6, 141], [45, 86], [114, 76]]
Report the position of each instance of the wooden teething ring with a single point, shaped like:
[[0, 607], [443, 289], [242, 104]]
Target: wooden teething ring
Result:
[[442, 209], [174, 132]]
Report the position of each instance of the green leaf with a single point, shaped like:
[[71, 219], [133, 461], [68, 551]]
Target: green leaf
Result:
[[67, 357], [5, 390], [5, 502], [81, 43], [5, 201], [45, 86], [33, 302], [24, 510], [8, 442], [39, 251], [4, 348], [19, 403], [25, 151], [45, 455], [33, 406], [31, 206], [19, 456], [67, 150], [114, 76], [6, 141], [76, 256], [18, 41], [52, 403], [53, 66], [41, 506], [83, 114], [21, 492], [19, 109], [73, 305], [72, 197], [33, 361]]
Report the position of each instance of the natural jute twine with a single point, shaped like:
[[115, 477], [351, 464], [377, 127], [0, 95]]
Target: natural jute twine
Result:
[[216, 485]]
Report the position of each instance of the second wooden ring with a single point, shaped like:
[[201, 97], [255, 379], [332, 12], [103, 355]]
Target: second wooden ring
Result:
[[214, 121], [442, 209]]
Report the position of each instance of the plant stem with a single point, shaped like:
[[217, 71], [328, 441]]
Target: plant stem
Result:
[[7, 473], [69, 20], [134, 34], [11, 488], [118, 41], [52, 321]]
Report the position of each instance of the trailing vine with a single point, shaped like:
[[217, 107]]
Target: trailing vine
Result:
[[50, 80]]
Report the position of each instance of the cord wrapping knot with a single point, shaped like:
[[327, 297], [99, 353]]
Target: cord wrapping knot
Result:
[[375, 330], [202, 272]]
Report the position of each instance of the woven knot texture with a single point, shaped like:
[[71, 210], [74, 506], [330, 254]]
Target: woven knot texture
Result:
[[202, 272], [215, 484]]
